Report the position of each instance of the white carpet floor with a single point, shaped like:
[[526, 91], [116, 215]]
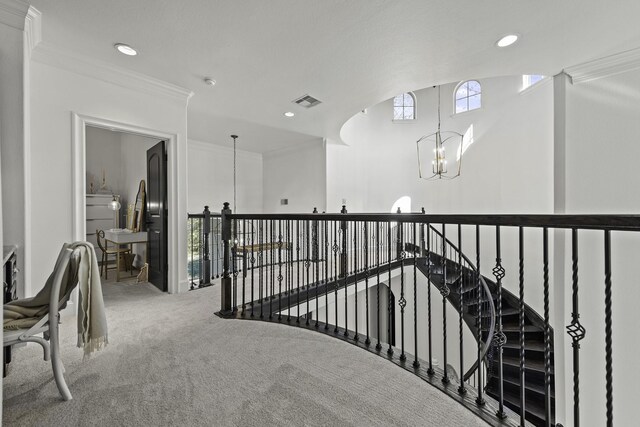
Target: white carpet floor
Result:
[[170, 361]]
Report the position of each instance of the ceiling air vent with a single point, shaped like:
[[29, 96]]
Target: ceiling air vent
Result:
[[307, 101]]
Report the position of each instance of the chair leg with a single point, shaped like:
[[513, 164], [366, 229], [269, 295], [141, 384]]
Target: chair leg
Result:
[[42, 342], [56, 363]]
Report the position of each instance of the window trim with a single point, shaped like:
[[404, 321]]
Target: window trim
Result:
[[455, 97], [415, 108]]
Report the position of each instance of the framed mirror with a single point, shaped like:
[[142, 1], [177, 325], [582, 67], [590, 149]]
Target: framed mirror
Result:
[[138, 207]]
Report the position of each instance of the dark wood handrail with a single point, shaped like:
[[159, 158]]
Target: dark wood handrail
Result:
[[581, 222]]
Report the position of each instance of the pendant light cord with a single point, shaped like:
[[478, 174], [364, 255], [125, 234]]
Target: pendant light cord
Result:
[[438, 108], [234, 173]]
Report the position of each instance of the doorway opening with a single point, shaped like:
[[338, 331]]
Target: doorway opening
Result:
[[125, 205]]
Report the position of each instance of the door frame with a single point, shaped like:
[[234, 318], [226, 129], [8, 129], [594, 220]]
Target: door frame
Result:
[[78, 155]]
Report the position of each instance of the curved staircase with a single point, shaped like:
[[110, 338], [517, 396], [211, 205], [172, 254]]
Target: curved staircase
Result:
[[533, 336]]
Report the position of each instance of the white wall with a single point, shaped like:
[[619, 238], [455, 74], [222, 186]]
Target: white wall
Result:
[[57, 93], [601, 177], [507, 169], [297, 174], [12, 89], [103, 156], [210, 178]]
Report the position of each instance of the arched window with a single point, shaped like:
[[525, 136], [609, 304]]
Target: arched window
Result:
[[404, 107], [468, 96]]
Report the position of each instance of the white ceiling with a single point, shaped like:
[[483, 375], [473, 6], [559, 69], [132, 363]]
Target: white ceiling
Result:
[[350, 54]]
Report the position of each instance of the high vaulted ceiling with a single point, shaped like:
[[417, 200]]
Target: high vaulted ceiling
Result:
[[350, 54]]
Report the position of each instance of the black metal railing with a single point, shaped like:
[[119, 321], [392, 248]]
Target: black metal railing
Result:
[[353, 276]]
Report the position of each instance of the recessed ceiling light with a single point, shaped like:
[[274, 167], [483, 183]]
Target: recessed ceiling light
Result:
[[126, 49], [210, 82], [507, 40], [289, 114]]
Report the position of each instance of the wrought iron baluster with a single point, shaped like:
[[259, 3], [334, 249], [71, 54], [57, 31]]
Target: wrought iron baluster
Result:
[[461, 387], [288, 265], [390, 302], [430, 371], [336, 249], [416, 363], [356, 337], [244, 266], [234, 255], [314, 258], [280, 277], [345, 267], [479, 399], [499, 338], [378, 249], [444, 291], [253, 260], [298, 267], [521, 320], [575, 330], [367, 341], [307, 264], [261, 267], [326, 274], [547, 329], [402, 302], [608, 327], [271, 269]]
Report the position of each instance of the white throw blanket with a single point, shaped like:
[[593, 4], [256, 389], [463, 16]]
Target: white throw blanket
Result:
[[92, 322]]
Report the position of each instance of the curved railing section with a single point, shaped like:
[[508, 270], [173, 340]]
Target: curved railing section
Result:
[[483, 347], [314, 271]]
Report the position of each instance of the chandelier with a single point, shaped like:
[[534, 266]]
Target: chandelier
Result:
[[447, 153]]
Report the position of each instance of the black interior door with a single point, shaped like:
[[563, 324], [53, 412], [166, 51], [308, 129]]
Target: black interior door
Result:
[[157, 215]]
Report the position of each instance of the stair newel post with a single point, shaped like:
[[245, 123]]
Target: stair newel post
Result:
[[575, 330], [461, 387], [430, 371], [499, 338], [206, 231], [343, 252], [444, 291], [479, 400], [226, 310], [416, 251], [521, 320]]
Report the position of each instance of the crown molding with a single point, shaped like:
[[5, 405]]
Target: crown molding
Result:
[[33, 29], [210, 146], [48, 54], [604, 67], [13, 13]]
